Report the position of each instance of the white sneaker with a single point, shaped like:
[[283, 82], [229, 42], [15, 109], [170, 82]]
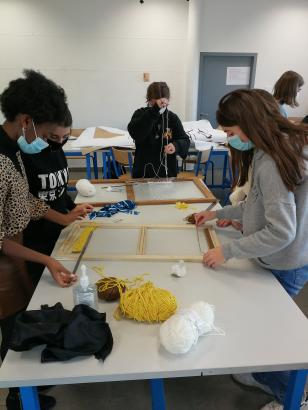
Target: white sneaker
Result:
[[247, 379], [273, 405]]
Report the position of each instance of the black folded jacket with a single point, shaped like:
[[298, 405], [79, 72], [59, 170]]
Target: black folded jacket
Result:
[[67, 334]]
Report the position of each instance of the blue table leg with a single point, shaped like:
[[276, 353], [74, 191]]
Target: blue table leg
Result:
[[94, 158], [295, 389], [29, 398], [105, 159], [88, 164], [158, 394]]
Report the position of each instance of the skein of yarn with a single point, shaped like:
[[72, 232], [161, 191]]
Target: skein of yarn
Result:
[[85, 188], [147, 304], [181, 332]]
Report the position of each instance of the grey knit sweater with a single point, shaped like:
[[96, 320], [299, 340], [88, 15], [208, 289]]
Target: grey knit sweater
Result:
[[275, 220]]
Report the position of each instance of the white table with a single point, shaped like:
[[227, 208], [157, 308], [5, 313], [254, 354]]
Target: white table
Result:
[[265, 330]]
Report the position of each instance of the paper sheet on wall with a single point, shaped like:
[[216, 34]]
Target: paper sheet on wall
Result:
[[103, 137], [238, 76]]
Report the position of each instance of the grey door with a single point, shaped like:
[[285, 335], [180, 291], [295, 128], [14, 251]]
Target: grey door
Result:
[[219, 74]]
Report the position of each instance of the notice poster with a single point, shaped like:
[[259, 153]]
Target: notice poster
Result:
[[238, 76]]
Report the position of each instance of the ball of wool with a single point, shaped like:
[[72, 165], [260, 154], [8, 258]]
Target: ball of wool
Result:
[[178, 334], [205, 316], [108, 289], [85, 188], [148, 303]]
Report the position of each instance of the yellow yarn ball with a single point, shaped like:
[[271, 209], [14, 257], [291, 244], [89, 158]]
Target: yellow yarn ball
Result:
[[147, 303]]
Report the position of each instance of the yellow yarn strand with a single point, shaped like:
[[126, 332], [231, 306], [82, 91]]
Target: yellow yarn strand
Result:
[[145, 303], [182, 206]]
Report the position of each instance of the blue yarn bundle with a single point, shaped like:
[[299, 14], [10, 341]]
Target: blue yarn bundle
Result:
[[126, 207]]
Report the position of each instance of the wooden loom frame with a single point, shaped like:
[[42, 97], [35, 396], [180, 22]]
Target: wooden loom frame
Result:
[[208, 197], [64, 252]]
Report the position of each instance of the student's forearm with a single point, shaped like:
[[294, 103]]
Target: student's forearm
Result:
[[11, 248], [56, 217]]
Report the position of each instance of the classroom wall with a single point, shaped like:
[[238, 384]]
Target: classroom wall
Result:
[[97, 50], [275, 29]]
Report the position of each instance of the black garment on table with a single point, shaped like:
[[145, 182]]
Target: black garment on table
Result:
[[305, 120], [67, 334], [48, 175], [146, 128]]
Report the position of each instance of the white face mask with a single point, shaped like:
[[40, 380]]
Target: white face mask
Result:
[[162, 110]]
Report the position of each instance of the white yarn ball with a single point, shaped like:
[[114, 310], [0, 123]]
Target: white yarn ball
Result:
[[85, 188], [205, 316], [181, 331], [178, 334]]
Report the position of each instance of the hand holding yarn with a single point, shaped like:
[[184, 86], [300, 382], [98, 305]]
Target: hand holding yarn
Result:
[[181, 331], [85, 188]]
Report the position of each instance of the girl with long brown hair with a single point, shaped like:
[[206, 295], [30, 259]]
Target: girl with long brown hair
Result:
[[275, 215], [286, 90]]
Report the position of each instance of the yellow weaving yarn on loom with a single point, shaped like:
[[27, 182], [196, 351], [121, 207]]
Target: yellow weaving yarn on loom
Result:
[[147, 304], [79, 243]]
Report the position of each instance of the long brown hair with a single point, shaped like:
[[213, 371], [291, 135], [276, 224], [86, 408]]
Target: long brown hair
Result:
[[268, 130], [240, 163], [241, 160], [287, 87], [157, 90]]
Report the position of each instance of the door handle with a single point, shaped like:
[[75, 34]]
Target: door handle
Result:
[[202, 115]]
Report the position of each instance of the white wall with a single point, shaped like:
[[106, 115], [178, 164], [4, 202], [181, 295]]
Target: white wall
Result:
[[194, 35], [275, 29], [97, 50]]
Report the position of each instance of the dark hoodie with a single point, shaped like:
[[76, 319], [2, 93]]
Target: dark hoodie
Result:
[[146, 128]]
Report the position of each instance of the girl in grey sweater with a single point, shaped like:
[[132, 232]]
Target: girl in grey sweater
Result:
[[275, 215]]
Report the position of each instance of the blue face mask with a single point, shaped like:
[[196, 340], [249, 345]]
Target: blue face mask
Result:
[[35, 147], [238, 144]]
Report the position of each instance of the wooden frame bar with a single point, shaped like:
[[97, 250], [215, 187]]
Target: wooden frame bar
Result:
[[205, 197], [65, 252]]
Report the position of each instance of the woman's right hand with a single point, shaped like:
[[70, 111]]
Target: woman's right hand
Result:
[[61, 275], [204, 216]]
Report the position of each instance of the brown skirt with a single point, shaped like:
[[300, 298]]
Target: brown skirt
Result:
[[16, 287]]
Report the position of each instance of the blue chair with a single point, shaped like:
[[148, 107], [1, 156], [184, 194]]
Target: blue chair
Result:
[[88, 157], [204, 159], [226, 182]]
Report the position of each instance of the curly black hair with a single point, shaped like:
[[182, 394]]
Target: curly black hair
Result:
[[35, 95]]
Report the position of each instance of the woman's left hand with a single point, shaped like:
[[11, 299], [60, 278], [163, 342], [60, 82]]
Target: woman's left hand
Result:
[[170, 148], [213, 257], [78, 213], [82, 209]]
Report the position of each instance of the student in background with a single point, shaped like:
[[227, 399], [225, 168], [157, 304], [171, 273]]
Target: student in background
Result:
[[33, 107], [158, 134], [48, 175], [286, 90], [275, 214]]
